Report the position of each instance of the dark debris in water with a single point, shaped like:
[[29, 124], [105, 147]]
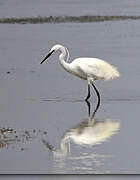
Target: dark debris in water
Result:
[[8, 72], [18, 139], [64, 19]]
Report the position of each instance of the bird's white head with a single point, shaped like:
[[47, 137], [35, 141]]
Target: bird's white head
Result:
[[54, 49]]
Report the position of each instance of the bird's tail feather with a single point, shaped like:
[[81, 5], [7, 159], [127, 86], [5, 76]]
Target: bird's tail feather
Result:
[[112, 73]]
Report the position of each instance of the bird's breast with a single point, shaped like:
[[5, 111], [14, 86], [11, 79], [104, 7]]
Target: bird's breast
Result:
[[79, 73]]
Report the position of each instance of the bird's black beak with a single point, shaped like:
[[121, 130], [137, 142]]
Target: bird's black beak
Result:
[[47, 56]]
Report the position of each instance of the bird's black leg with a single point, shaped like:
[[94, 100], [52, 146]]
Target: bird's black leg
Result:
[[88, 96], [97, 92], [88, 104]]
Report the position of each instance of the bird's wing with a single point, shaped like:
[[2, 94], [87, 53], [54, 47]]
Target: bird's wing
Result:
[[92, 68], [95, 68]]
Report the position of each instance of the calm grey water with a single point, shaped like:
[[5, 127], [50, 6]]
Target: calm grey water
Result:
[[19, 8], [45, 102], [44, 124]]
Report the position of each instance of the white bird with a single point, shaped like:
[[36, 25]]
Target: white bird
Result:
[[86, 68]]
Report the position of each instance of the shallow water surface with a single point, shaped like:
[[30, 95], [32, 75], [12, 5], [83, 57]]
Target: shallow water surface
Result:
[[31, 8], [44, 122]]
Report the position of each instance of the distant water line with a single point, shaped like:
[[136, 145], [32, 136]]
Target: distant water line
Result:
[[65, 19]]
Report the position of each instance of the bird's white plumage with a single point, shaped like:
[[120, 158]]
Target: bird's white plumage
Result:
[[94, 68], [86, 68]]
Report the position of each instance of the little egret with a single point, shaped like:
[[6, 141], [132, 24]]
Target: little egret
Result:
[[86, 68]]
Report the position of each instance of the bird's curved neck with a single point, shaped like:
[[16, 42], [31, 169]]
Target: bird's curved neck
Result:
[[62, 57]]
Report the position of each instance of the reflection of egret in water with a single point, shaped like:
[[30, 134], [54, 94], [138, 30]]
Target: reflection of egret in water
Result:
[[85, 134]]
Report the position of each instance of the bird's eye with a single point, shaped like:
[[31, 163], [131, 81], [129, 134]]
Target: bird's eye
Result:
[[52, 51]]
